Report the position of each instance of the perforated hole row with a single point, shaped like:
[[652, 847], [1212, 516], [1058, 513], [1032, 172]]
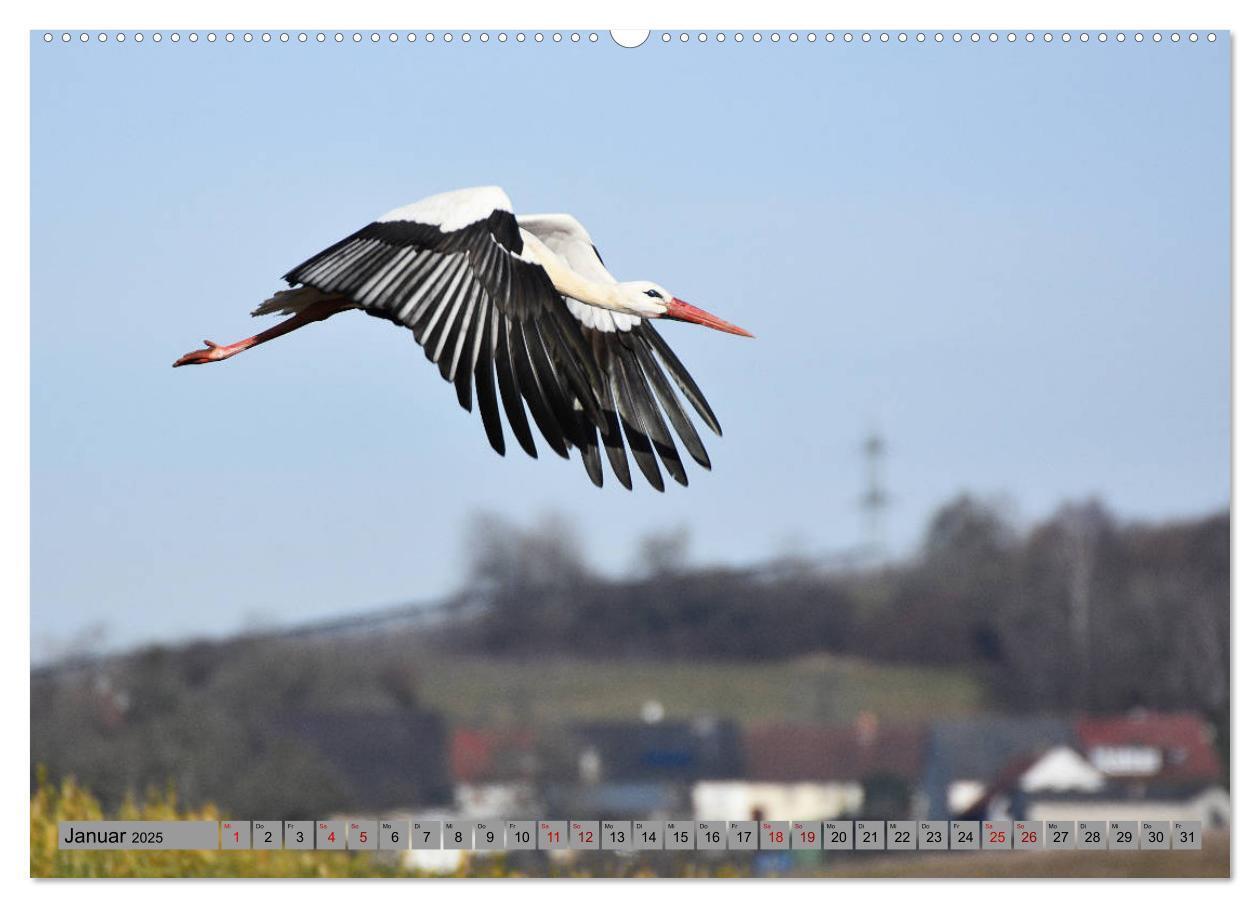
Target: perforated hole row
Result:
[[933, 37], [324, 37], [592, 37]]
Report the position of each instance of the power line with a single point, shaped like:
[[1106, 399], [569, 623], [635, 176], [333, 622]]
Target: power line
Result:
[[874, 500]]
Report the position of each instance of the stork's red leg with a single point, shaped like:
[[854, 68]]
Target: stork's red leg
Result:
[[313, 313]]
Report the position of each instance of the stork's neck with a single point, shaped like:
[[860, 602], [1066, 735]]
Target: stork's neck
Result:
[[568, 281]]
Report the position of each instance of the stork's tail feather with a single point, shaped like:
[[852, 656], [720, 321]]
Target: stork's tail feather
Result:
[[291, 302]]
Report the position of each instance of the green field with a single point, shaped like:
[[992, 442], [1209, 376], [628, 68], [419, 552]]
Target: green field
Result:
[[819, 689]]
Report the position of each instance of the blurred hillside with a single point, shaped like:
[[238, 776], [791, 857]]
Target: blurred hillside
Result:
[[1080, 614]]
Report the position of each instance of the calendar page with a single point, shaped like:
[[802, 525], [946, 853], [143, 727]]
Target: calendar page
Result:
[[793, 452]]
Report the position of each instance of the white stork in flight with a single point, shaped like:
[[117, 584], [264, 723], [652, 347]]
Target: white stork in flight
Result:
[[524, 300]]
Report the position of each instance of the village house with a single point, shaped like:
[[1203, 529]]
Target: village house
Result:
[[1141, 766], [819, 772]]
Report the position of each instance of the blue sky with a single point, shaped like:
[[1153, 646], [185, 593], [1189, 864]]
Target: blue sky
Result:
[[1012, 260]]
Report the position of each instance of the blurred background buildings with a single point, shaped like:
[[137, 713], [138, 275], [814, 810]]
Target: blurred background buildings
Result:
[[962, 682]]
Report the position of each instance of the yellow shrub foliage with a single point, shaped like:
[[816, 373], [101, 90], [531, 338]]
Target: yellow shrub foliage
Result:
[[53, 803]]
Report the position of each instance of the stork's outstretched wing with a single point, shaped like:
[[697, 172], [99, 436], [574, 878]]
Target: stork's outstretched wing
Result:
[[454, 269], [635, 361]]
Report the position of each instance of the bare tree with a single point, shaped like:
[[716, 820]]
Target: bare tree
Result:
[[665, 553], [1079, 528]]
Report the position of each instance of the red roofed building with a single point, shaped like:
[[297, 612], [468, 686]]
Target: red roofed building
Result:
[[812, 772], [1164, 747], [480, 755], [805, 753]]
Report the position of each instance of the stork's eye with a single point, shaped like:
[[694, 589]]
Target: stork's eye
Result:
[[654, 293]]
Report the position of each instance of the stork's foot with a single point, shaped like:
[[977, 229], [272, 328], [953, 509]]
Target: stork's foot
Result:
[[211, 354], [313, 313]]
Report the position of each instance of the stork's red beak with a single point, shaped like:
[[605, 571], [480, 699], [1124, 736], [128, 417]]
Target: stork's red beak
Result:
[[685, 312]]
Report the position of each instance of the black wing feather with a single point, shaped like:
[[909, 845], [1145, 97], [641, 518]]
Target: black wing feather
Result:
[[649, 418], [678, 372], [669, 401], [590, 453], [614, 442], [615, 448], [581, 383], [558, 400], [469, 345], [636, 438], [483, 373], [523, 373], [510, 391]]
